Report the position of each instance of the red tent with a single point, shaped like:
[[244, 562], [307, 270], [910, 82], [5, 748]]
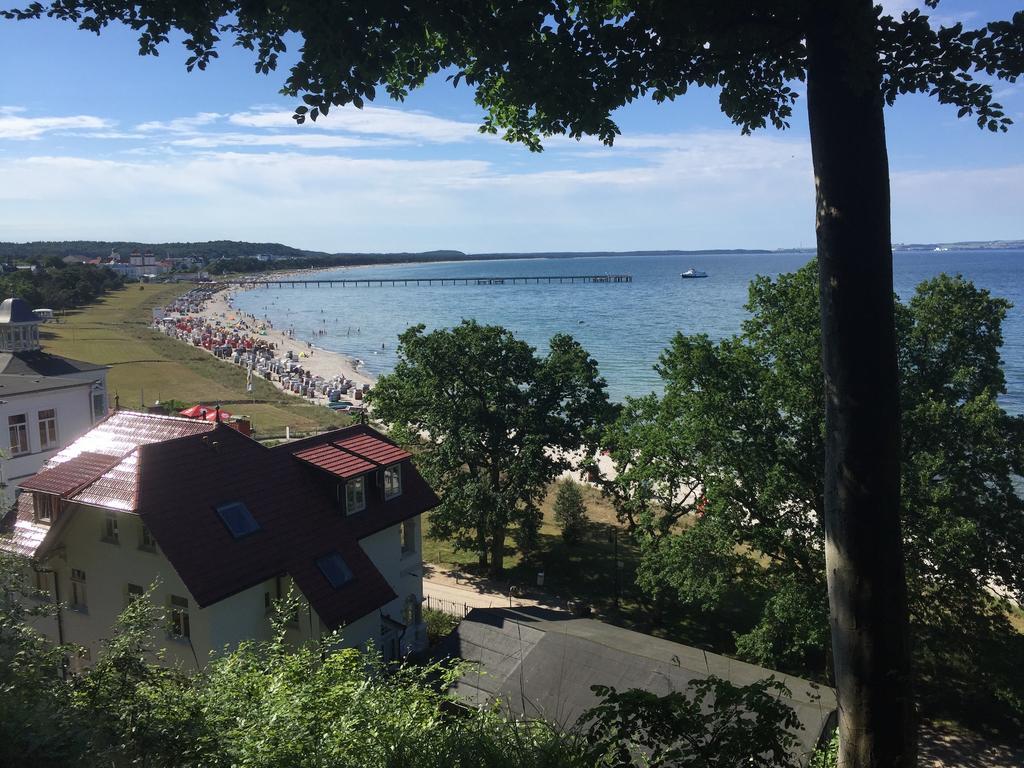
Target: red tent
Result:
[[196, 412]]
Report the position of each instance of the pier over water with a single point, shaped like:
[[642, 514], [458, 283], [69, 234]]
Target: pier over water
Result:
[[381, 282]]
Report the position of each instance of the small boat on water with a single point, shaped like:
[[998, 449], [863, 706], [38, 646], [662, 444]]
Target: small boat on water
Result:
[[692, 273]]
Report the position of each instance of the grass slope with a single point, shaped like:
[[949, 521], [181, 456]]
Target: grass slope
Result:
[[145, 363]]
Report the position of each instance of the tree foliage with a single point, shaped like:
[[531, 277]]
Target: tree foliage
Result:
[[59, 286], [494, 424], [269, 704], [712, 725], [570, 511], [544, 67], [740, 428], [548, 67]]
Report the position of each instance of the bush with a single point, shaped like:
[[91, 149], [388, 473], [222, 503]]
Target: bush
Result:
[[439, 624], [267, 704], [570, 511]]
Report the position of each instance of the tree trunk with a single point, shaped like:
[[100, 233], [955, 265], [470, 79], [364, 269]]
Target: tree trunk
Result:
[[863, 544], [481, 539], [498, 551]]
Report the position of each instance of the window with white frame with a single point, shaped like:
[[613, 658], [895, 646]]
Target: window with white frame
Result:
[[47, 429], [408, 536], [110, 533], [355, 495], [393, 481], [78, 597], [179, 626], [18, 426]]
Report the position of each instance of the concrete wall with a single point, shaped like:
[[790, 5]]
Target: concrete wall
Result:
[[74, 418]]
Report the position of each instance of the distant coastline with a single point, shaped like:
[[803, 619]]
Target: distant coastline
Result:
[[277, 256]]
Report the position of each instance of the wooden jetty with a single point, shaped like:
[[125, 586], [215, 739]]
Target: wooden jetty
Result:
[[381, 282]]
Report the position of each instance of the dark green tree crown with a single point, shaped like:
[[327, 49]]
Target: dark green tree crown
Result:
[[545, 67]]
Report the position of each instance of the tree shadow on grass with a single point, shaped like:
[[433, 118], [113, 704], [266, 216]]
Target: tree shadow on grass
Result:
[[587, 573]]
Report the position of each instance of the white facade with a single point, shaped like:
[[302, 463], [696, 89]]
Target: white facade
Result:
[[41, 413], [38, 424], [94, 575]]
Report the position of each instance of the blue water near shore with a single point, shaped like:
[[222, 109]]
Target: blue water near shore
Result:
[[624, 326]]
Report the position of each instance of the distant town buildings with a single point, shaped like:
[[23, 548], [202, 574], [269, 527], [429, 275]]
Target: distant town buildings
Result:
[[224, 527]]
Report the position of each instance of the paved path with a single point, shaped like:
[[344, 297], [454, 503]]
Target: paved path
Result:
[[450, 586]]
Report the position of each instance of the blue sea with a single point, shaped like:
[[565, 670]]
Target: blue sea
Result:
[[624, 326]]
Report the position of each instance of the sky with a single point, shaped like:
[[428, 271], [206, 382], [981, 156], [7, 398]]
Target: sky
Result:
[[99, 143]]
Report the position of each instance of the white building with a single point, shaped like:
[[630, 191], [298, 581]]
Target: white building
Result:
[[46, 401], [224, 526]]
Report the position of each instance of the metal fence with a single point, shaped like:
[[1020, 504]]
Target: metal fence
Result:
[[452, 607]]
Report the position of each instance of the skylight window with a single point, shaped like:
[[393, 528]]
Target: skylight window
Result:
[[335, 569], [237, 518]]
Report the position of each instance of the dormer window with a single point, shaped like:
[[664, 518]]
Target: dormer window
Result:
[[392, 481], [355, 495], [46, 506]]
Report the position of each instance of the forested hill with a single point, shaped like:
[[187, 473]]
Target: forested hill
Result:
[[208, 251], [238, 252]]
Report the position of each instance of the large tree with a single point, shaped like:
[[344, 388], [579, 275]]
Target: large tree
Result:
[[721, 480], [493, 425], [543, 67]]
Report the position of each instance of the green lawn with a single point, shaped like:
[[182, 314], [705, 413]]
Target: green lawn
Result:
[[147, 364]]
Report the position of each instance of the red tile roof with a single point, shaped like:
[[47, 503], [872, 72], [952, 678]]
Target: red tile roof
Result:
[[124, 431], [118, 436], [68, 476], [115, 488], [181, 482], [20, 525], [374, 448], [353, 455], [333, 459]]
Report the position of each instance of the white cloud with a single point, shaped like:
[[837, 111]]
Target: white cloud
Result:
[[380, 121], [181, 124], [14, 126], [296, 140], [330, 202]]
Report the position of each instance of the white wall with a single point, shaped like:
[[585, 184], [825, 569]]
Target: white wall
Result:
[[110, 567], [74, 418], [403, 572]]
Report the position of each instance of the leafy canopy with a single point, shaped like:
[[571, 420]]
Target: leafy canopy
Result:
[[544, 67], [272, 705], [721, 478], [495, 422]]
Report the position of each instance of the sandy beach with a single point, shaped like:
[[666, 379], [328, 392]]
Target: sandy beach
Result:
[[318, 361], [314, 362]]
